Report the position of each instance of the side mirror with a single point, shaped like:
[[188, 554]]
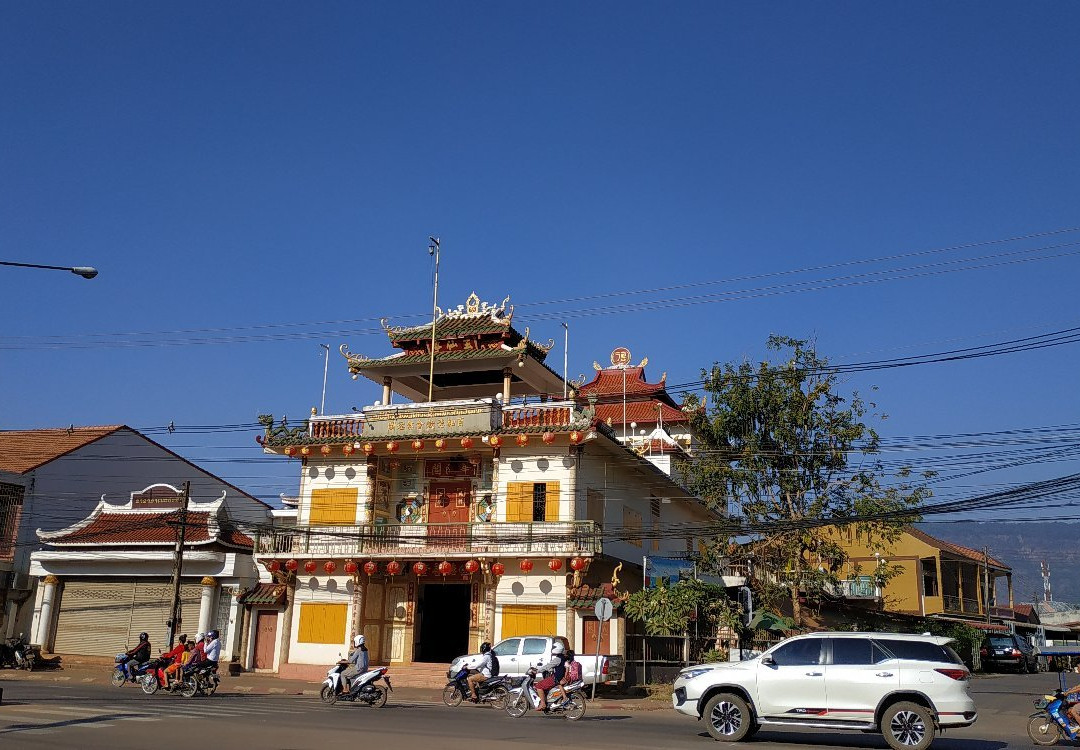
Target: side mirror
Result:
[[767, 660]]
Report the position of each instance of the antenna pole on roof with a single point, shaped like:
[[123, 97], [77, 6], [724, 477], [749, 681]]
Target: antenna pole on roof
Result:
[[174, 621], [433, 249]]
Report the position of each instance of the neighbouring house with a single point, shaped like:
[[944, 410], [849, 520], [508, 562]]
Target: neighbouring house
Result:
[[87, 532], [493, 508]]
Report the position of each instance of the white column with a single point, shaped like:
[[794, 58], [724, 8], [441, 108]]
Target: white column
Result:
[[43, 632], [206, 603]]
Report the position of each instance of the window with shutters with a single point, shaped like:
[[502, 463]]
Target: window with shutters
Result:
[[11, 502], [522, 620], [333, 507], [322, 623], [532, 501]]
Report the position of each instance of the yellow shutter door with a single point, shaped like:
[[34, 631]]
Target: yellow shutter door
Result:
[[322, 623], [333, 507], [519, 620], [519, 501], [551, 507]]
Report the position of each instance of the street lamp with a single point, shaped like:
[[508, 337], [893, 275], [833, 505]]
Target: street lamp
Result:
[[87, 272]]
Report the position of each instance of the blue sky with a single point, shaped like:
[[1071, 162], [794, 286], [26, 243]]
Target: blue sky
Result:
[[273, 170]]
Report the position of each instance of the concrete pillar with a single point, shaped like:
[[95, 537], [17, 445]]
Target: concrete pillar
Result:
[[508, 372], [386, 383], [286, 622], [206, 604], [43, 634]]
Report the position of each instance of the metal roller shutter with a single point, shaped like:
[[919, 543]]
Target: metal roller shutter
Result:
[[94, 618], [150, 611]]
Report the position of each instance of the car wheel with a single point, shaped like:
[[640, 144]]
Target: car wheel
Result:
[[727, 717], [907, 726], [1042, 730], [451, 695]]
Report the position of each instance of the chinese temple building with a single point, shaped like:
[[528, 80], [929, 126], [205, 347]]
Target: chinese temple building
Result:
[[493, 509]]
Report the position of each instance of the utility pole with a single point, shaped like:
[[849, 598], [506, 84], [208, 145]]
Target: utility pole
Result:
[[178, 564], [433, 249], [325, 367], [986, 582], [565, 356]]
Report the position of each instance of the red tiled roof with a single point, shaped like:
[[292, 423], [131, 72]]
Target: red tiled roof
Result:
[[609, 382], [956, 549], [642, 412], [122, 528], [25, 450]]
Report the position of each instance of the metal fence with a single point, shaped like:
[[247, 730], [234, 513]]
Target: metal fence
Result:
[[658, 658]]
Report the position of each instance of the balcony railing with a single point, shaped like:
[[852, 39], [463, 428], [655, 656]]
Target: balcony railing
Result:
[[335, 427], [537, 415], [859, 588], [956, 604], [434, 540]]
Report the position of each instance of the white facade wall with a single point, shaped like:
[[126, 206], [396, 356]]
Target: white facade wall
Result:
[[334, 472], [327, 590], [537, 463]]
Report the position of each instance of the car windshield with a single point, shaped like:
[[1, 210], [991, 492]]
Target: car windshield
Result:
[[1001, 641]]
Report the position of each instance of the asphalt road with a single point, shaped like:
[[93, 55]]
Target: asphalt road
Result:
[[48, 715]]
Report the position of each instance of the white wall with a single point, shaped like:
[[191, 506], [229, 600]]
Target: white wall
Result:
[[532, 589], [334, 472], [330, 590], [536, 462]]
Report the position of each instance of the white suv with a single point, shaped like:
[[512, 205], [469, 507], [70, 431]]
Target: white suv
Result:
[[904, 686]]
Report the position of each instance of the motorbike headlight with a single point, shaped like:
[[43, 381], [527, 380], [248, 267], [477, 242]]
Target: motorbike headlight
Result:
[[690, 674]]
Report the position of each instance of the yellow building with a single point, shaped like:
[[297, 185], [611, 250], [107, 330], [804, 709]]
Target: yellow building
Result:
[[934, 577]]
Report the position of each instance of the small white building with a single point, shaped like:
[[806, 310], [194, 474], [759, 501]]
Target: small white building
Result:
[[85, 519]]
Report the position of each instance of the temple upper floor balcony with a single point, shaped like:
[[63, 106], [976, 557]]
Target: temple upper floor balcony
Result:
[[442, 540]]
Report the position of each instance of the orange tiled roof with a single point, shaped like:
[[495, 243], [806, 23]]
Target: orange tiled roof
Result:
[[25, 450], [641, 412], [609, 382], [956, 549], [119, 528]]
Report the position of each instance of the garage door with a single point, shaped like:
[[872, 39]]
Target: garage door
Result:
[[523, 620], [104, 618]]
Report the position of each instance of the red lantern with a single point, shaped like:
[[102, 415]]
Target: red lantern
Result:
[[330, 566], [291, 565], [522, 440], [445, 568], [555, 564], [418, 445], [392, 446], [575, 437], [494, 441], [305, 451], [273, 566], [466, 443], [577, 563], [371, 567], [472, 566], [290, 450], [325, 450], [525, 565], [419, 568], [393, 567], [440, 444], [369, 448], [309, 566], [348, 449], [351, 567], [548, 438], [498, 569]]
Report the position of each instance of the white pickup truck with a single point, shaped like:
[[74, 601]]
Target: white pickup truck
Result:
[[518, 654]]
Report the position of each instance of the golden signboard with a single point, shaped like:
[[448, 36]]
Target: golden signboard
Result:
[[432, 421]]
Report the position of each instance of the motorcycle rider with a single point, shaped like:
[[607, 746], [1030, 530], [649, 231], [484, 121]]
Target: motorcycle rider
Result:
[[138, 655], [212, 650], [198, 654], [483, 671], [358, 662], [173, 655], [553, 673]]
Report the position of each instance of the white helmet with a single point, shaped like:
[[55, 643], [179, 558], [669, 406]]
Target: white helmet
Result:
[[557, 648], [358, 641], [198, 637]]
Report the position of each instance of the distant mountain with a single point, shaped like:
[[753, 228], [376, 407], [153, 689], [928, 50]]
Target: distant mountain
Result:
[[1022, 546]]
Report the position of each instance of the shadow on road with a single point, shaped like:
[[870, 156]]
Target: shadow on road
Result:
[[14, 728], [852, 740]]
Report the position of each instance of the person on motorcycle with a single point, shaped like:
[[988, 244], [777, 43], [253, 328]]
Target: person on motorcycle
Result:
[[198, 654], [358, 662], [138, 655], [483, 671], [553, 673], [572, 673], [177, 668], [1074, 708], [212, 650], [173, 655]]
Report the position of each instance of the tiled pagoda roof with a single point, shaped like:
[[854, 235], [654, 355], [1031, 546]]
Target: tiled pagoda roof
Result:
[[641, 412]]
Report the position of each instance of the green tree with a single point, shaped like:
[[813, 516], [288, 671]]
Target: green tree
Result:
[[669, 609], [792, 459]]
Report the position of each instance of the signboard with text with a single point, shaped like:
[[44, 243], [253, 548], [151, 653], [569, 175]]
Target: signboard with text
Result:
[[434, 421]]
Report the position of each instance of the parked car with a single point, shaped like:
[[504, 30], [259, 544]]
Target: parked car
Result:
[[905, 686], [518, 654], [1008, 651]]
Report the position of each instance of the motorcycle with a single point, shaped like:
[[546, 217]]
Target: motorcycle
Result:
[[1051, 723], [204, 678], [571, 703], [22, 654], [363, 688], [122, 675], [494, 690]]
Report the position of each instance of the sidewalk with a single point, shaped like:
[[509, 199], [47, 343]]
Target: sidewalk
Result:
[[93, 671]]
